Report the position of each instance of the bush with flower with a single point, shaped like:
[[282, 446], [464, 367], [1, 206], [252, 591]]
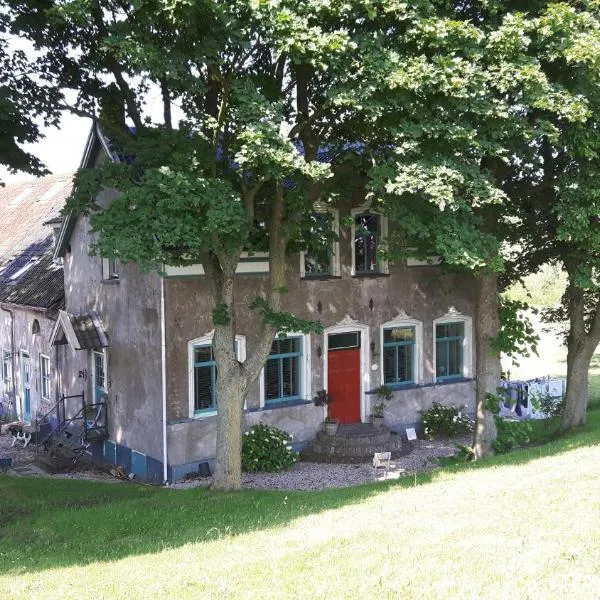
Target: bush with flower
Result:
[[445, 421], [267, 448]]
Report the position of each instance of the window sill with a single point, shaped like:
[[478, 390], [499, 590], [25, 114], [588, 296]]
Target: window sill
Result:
[[451, 379], [402, 386], [320, 277], [204, 414], [369, 275], [280, 404], [413, 386]]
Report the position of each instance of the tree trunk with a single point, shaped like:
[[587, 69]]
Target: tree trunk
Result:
[[234, 378], [581, 344], [576, 400], [488, 370], [231, 392]]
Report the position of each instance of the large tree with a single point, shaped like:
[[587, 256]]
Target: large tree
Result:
[[24, 105], [552, 182], [450, 152]]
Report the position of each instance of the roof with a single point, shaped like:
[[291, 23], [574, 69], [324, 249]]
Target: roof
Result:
[[40, 284], [96, 143], [28, 275], [83, 331]]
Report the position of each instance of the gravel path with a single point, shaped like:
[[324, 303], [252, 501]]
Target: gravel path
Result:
[[416, 456], [25, 461], [19, 454], [318, 476]]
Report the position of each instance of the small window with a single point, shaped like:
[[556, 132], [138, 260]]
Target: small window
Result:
[[318, 258], [205, 379], [45, 377], [23, 269], [7, 371], [366, 240], [109, 269], [203, 374], [99, 382], [399, 355], [341, 341], [283, 370], [449, 339]]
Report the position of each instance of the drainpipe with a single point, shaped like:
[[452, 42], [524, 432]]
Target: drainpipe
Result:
[[12, 355], [163, 364], [57, 373]]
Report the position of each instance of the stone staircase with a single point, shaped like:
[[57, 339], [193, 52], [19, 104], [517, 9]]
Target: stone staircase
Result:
[[354, 443]]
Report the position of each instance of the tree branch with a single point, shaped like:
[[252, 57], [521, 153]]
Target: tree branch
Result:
[[166, 99], [76, 111], [277, 280], [117, 70]]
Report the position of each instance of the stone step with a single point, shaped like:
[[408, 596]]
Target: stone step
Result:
[[332, 449], [381, 437]]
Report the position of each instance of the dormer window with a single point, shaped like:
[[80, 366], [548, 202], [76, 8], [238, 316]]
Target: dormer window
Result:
[[366, 239], [321, 258], [24, 268], [319, 261], [369, 229]]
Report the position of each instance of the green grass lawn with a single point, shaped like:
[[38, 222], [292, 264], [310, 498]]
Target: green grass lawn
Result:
[[521, 525]]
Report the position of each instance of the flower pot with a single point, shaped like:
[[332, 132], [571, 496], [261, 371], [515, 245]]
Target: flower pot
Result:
[[330, 428], [378, 422]]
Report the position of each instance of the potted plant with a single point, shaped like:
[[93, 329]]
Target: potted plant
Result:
[[377, 417], [384, 393], [322, 398], [330, 425]]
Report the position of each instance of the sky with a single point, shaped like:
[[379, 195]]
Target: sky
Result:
[[60, 150]]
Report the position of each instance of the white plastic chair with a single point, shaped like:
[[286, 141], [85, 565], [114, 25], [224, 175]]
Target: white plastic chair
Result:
[[381, 460]]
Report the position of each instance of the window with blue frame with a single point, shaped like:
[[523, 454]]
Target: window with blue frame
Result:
[[204, 374], [449, 350], [205, 379], [283, 370], [398, 355]]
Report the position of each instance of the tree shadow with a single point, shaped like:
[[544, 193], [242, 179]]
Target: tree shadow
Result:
[[53, 523]]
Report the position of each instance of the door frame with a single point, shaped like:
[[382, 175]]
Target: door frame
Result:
[[348, 325], [93, 353], [25, 358]]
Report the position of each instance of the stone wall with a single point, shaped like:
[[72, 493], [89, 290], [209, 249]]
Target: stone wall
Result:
[[422, 293], [130, 311]]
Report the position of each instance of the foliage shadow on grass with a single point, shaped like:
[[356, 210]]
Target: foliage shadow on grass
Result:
[[49, 523]]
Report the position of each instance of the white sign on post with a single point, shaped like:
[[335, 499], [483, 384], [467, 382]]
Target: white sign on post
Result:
[[411, 434]]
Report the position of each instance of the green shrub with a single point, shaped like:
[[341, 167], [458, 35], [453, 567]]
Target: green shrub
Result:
[[266, 448], [511, 435], [445, 421], [548, 405]]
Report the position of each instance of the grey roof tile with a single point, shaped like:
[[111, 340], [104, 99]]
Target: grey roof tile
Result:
[[28, 276], [89, 330]]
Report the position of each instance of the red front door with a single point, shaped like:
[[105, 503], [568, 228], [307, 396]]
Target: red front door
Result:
[[343, 382]]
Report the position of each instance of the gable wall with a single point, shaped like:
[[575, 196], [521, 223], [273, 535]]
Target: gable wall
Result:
[[130, 311]]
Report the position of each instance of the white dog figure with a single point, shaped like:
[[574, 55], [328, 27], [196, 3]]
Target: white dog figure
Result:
[[19, 435]]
